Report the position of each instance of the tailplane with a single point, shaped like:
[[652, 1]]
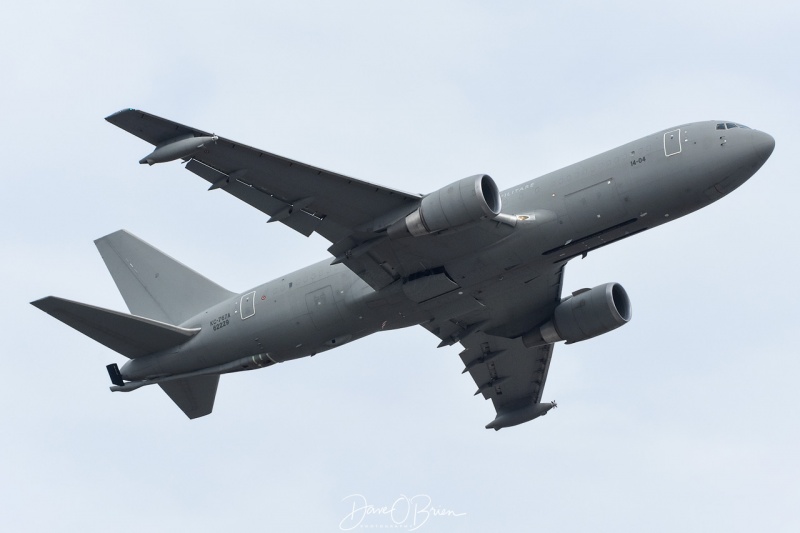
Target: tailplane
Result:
[[159, 292], [155, 285], [136, 336], [195, 396], [131, 336]]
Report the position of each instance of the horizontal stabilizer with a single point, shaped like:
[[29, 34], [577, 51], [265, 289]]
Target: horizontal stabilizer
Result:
[[195, 396], [131, 336]]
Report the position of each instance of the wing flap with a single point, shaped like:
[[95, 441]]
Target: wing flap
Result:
[[296, 218], [517, 374], [503, 369], [302, 222]]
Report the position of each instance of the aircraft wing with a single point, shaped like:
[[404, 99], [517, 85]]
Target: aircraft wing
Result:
[[503, 369], [350, 213]]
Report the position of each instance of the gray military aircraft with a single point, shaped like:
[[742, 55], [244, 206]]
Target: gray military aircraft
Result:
[[470, 263]]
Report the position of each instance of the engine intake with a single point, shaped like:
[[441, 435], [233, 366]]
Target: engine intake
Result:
[[459, 203], [586, 314]]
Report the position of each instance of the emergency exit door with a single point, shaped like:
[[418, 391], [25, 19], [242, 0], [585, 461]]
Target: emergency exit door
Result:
[[672, 142]]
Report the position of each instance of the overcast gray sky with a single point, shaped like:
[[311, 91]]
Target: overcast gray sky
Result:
[[686, 419]]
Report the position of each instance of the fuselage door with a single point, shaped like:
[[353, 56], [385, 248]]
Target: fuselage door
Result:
[[672, 142], [247, 305], [322, 307]]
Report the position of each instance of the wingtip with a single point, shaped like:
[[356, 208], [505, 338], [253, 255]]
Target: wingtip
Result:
[[120, 112], [48, 304], [40, 302], [201, 414], [112, 234]]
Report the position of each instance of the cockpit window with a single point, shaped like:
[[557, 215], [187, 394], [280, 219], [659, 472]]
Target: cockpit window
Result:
[[730, 126]]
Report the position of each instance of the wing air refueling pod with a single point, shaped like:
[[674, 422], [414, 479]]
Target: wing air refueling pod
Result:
[[179, 147], [519, 416]]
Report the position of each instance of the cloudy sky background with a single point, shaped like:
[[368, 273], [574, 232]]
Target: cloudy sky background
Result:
[[686, 419]]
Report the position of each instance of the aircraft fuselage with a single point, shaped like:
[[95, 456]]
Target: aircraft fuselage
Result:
[[559, 216]]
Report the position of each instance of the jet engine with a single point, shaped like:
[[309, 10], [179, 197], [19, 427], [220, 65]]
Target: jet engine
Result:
[[586, 314], [459, 203]]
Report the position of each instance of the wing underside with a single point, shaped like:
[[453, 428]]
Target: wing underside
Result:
[[504, 370], [345, 211], [353, 215]]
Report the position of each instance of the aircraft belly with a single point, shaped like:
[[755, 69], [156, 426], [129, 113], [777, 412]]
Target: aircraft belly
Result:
[[142, 367], [497, 260]]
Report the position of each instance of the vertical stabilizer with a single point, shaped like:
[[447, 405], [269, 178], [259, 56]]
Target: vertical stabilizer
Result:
[[153, 284]]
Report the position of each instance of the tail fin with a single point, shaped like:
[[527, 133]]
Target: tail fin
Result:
[[131, 336], [153, 284]]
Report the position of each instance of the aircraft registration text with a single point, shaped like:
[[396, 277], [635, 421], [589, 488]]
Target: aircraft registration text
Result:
[[221, 321]]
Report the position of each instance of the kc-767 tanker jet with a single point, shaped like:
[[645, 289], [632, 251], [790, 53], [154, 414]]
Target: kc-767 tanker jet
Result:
[[470, 263]]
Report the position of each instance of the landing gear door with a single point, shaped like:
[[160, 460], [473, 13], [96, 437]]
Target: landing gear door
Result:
[[672, 142], [247, 305]]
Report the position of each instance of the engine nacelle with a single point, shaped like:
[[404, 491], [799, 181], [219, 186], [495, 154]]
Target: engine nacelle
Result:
[[586, 314], [459, 203]]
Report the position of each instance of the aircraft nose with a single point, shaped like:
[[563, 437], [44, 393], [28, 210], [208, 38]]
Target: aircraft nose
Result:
[[763, 145]]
